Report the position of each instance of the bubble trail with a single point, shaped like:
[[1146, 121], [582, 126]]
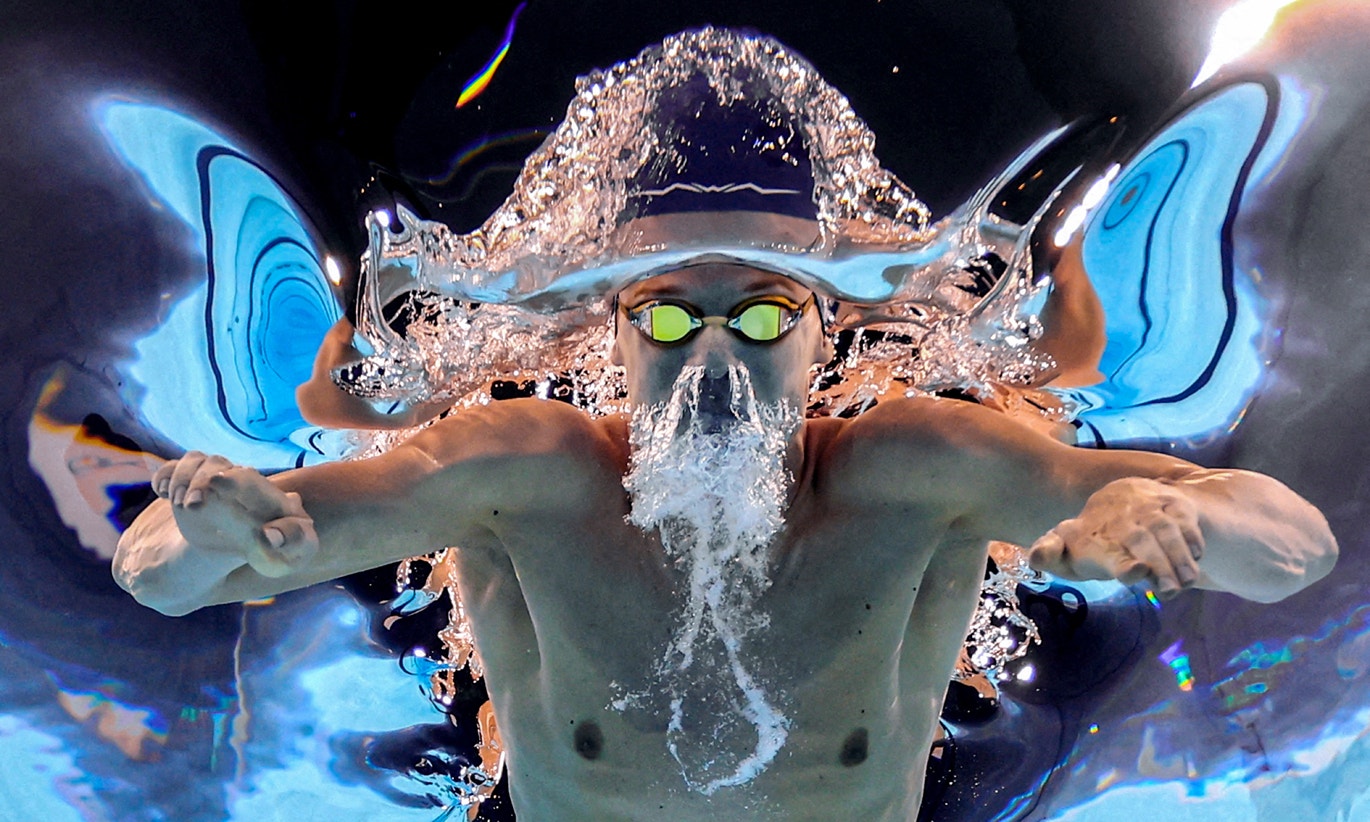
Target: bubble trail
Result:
[[712, 482]]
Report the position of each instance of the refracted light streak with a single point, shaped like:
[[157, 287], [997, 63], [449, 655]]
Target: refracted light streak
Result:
[[1240, 29], [477, 84], [1178, 660], [1261, 666]]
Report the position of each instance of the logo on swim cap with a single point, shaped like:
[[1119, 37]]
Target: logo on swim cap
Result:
[[741, 156]]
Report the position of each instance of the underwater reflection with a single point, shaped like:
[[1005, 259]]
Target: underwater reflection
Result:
[[1187, 329], [258, 316]]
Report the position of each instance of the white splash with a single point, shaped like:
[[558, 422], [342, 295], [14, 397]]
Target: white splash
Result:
[[708, 474], [528, 295]]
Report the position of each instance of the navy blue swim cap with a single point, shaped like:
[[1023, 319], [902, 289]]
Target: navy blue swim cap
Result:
[[740, 156]]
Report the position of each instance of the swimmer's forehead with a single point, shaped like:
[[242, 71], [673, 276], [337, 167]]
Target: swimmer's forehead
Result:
[[713, 281]]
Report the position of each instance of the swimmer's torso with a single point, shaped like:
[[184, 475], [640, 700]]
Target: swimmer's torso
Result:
[[572, 609]]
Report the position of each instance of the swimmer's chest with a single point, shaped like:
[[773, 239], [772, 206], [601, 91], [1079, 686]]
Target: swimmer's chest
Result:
[[841, 582], [845, 583]]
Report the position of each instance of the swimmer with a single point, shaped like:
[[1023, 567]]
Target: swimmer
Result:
[[872, 579], [713, 606]]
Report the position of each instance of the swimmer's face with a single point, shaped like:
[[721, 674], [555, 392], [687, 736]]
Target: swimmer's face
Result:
[[779, 369]]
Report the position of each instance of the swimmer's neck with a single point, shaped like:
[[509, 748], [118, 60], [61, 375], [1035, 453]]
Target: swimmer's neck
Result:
[[798, 470]]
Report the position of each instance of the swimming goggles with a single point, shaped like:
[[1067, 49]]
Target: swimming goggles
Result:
[[763, 319]]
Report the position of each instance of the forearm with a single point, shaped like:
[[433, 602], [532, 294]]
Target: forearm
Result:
[[156, 564], [248, 537], [1261, 540]]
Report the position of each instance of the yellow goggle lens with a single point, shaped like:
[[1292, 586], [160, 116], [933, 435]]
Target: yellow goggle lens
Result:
[[761, 322], [668, 323]]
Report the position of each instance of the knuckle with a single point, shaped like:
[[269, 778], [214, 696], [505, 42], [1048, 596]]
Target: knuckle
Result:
[[1158, 517], [236, 473], [1069, 529]]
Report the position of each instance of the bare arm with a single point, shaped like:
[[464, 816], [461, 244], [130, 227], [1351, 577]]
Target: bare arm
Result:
[[1247, 533], [244, 536], [323, 403], [224, 533], [1101, 514]]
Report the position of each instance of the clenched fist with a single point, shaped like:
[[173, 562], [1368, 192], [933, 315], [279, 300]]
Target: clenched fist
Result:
[[1131, 529], [222, 507]]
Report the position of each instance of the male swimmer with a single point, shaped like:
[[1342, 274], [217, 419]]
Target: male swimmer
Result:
[[714, 607]]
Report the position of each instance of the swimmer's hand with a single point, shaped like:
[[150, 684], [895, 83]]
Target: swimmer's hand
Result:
[[231, 509], [1132, 529]]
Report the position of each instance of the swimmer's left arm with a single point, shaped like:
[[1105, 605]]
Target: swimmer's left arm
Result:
[[1134, 516], [1226, 530], [1099, 514]]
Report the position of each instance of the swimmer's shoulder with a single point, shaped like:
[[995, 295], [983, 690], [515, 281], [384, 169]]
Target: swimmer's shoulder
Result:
[[924, 422], [522, 428], [908, 443], [520, 457]]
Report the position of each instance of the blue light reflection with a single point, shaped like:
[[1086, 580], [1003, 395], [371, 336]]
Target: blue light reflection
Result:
[[219, 374], [1186, 329]]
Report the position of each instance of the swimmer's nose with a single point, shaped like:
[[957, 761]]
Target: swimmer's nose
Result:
[[713, 351]]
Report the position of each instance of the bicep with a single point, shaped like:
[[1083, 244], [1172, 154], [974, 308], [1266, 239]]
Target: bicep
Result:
[[448, 483], [993, 476], [380, 510], [1036, 482], [365, 513]]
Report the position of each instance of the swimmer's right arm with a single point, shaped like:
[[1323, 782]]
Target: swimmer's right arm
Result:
[[245, 536], [224, 533]]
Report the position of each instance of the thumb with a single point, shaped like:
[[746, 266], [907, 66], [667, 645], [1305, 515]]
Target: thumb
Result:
[[287, 544]]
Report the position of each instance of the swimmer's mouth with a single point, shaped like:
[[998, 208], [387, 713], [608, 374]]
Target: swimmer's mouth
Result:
[[715, 407]]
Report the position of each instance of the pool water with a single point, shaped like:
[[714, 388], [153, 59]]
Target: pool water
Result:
[[189, 189]]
